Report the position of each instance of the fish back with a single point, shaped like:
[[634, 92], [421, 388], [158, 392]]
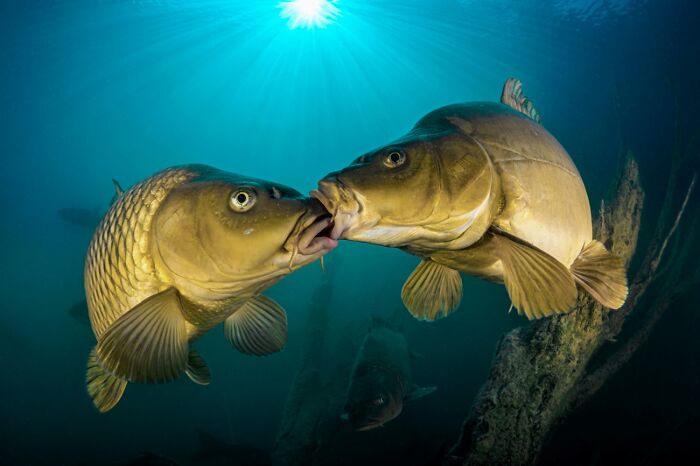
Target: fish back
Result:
[[545, 200]]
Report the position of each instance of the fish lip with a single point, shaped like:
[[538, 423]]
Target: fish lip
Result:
[[304, 238], [371, 424], [342, 219], [309, 242]]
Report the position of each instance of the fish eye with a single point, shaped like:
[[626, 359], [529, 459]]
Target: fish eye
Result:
[[379, 401], [242, 200], [394, 159]]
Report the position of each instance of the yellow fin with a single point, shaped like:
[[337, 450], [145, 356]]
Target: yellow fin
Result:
[[259, 327], [601, 274], [432, 291], [197, 369], [105, 389], [538, 284], [149, 342]]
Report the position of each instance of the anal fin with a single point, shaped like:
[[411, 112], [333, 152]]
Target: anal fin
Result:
[[537, 283], [259, 327], [197, 369], [149, 342], [432, 291], [104, 389], [601, 274]]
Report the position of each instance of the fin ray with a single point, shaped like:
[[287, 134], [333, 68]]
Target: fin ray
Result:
[[259, 327], [513, 97], [197, 369], [601, 274], [149, 342], [537, 283], [104, 389], [432, 291]]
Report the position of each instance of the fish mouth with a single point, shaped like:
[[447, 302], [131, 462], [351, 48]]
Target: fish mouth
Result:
[[317, 237], [311, 236], [341, 203], [368, 425]]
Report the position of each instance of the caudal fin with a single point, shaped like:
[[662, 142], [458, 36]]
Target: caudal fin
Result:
[[105, 389], [601, 274]]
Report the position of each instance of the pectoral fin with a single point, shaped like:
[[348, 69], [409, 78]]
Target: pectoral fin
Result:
[[149, 342], [432, 291], [259, 327], [601, 274], [419, 392], [197, 369], [538, 284]]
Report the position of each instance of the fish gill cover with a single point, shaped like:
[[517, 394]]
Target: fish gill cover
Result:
[[93, 91]]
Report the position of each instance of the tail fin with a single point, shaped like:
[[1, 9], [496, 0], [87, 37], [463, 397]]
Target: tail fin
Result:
[[601, 274], [104, 388]]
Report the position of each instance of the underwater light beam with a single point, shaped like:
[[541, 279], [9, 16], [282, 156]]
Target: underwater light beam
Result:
[[309, 13]]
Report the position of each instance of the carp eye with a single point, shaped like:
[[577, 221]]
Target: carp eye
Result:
[[379, 401], [394, 159], [242, 200]]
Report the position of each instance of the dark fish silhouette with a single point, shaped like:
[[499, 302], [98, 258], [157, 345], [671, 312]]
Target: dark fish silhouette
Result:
[[79, 312], [382, 379]]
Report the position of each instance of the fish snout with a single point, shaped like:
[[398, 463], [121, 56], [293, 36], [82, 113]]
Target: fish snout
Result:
[[339, 201]]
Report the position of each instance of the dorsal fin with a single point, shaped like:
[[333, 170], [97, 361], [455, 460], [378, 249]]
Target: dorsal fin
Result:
[[513, 96], [117, 188]]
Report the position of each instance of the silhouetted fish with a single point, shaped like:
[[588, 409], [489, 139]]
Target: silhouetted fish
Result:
[[79, 312], [382, 379]]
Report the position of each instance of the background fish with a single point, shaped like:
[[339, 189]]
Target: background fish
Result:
[[181, 252], [484, 189], [381, 379]]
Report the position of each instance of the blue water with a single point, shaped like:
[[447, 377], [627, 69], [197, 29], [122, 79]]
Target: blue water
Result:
[[121, 89]]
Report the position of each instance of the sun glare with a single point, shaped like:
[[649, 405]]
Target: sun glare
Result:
[[309, 13]]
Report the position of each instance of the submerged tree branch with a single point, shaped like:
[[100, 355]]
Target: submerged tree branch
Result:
[[537, 366]]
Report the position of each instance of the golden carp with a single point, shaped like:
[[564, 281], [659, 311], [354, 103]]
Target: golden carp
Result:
[[484, 189], [181, 252]]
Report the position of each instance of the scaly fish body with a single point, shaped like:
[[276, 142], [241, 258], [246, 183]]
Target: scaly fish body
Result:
[[181, 252]]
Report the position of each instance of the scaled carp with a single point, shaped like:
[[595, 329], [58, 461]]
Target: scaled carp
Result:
[[181, 252]]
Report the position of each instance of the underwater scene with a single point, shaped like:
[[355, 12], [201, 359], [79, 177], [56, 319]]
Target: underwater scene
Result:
[[350, 232]]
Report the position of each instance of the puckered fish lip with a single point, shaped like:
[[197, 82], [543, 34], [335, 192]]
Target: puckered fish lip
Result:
[[304, 237], [310, 242], [334, 197]]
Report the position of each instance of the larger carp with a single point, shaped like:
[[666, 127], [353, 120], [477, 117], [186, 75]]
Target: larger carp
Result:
[[484, 189]]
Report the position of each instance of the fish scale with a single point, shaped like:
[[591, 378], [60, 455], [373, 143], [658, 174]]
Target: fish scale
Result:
[[119, 272]]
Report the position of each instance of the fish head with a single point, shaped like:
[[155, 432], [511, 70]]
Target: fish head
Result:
[[222, 234], [429, 190], [375, 397]]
